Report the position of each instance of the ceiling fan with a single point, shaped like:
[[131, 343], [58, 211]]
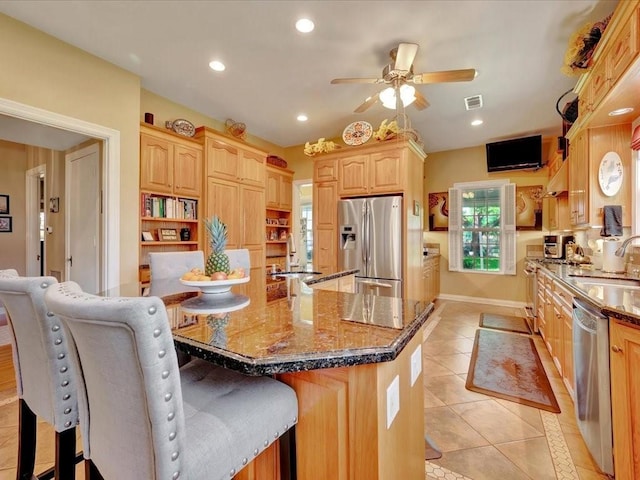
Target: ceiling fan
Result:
[[399, 74]]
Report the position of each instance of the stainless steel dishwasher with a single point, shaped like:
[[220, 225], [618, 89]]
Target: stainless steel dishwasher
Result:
[[593, 384]]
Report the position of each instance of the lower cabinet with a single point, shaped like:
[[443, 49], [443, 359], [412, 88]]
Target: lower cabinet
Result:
[[625, 398], [341, 284], [431, 276]]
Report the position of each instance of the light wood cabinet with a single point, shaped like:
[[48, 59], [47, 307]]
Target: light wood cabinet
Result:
[[278, 188], [372, 173], [625, 398], [169, 164], [170, 188], [278, 195], [325, 226], [563, 355], [586, 198], [431, 275], [340, 284], [235, 191]]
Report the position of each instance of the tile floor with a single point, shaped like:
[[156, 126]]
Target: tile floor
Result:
[[481, 438], [485, 438]]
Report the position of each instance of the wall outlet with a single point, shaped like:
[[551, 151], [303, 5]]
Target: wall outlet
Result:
[[393, 400], [416, 364]]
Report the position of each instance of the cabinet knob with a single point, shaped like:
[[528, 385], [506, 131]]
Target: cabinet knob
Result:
[[616, 349]]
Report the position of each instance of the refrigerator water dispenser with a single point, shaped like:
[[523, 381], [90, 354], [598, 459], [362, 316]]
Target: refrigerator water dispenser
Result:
[[347, 237]]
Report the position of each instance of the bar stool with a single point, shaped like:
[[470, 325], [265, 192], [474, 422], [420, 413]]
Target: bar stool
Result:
[[45, 378], [148, 418]]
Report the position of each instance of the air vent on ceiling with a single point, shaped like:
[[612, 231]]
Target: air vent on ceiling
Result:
[[473, 102]]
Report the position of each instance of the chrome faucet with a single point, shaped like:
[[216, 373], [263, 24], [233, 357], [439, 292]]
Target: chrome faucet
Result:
[[291, 251], [622, 248]]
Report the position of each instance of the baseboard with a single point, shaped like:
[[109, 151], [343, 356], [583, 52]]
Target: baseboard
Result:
[[486, 301]]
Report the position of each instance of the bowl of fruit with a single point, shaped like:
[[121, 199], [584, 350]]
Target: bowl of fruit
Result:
[[217, 282]]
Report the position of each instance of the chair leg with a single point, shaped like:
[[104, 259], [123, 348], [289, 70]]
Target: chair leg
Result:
[[288, 468], [91, 472], [65, 466], [26, 441]]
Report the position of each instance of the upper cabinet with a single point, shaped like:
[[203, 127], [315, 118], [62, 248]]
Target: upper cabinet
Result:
[[371, 173], [279, 183], [228, 160], [169, 164]]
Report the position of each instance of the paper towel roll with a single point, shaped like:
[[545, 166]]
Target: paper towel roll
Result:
[[611, 262]]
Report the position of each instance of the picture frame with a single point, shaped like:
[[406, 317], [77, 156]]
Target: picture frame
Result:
[[147, 237], [6, 225], [168, 235], [4, 205], [439, 211], [529, 207]]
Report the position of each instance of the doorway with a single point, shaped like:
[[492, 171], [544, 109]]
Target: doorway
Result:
[[302, 221], [110, 178], [34, 209]]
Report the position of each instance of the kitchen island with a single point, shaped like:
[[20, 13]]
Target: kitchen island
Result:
[[350, 358]]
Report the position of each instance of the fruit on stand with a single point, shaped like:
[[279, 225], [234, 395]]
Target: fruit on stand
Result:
[[219, 276], [218, 261], [236, 273], [195, 275]]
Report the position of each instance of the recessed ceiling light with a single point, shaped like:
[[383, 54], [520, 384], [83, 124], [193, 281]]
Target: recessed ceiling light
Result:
[[304, 25], [620, 111], [217, 66], [477, 122], [302, 117]]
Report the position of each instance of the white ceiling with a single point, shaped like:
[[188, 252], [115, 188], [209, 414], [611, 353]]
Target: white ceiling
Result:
[[274, 73]]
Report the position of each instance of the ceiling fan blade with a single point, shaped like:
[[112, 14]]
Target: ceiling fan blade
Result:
[[465, 75], [405, 55], [367, 103], [357, 80], [420, 102]]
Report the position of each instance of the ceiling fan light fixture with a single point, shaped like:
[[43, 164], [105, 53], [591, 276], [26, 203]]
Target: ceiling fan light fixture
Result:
[[407, 96], [217, 66]]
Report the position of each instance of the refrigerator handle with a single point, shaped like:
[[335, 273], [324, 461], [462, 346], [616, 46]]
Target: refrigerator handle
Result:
[[365, 235]]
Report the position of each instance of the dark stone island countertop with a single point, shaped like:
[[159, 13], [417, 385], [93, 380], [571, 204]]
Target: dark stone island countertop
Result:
[[615, 294], [307, 329]]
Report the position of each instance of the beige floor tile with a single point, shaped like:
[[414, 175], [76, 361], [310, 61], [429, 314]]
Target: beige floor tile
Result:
[[432, 368], [579, 452], [495, 423], [586, 474], [449, 431], [433, 348], [430, 400], [532, 456], [529, 414], [482, 463], [450, 389], [456, 362]]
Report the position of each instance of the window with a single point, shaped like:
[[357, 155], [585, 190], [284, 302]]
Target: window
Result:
[[482, 227], [306, 211]]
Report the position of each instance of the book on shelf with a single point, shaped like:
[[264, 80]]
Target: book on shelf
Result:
[[168, 207]]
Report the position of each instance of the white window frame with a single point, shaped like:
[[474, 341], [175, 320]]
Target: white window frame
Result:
[[507, 225]]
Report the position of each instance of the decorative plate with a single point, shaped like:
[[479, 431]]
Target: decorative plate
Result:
[[215, 286], [610, 174], [357, 133], [183, 127]]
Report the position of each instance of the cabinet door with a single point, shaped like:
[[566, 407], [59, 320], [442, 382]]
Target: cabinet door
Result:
[[156, 164], [386, 172], [325, 209], [252, 168], [272, 189], [567, 352], [579, 180], [353, 177], [187, 170], [252, 223], [324, 250], [286, 192], [222, 160], [625, 398], [325, 170], [223, 200]]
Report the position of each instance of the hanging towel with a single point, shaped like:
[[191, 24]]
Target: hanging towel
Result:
[[612, 221]]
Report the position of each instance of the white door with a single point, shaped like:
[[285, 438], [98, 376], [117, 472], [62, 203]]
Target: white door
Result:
[[33, 207], [83, 218]]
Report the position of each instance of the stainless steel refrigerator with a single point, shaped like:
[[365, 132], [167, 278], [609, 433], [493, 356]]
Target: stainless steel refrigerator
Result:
[[371, 241]]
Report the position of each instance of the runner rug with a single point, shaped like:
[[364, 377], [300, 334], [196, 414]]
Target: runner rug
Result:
[[504, 322], [506, 365]]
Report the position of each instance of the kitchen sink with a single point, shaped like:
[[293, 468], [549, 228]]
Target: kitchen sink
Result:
[[629, 283]]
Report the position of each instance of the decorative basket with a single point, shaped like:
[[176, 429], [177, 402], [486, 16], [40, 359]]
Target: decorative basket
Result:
[[276, 161]]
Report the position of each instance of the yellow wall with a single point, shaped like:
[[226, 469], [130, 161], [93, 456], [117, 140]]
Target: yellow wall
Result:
[[442, 170], [12, 183], [44, 72]]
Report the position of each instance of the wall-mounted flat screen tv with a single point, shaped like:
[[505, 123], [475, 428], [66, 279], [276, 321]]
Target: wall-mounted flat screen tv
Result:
[[517, 154]]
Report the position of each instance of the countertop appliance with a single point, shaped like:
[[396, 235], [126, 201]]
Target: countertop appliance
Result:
[[593, 383], [371, 241], [555, 246]]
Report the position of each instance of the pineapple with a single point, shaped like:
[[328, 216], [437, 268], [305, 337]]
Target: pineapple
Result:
[[218, 261]]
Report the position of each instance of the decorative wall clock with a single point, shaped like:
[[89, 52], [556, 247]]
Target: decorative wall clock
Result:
[[610, 174]]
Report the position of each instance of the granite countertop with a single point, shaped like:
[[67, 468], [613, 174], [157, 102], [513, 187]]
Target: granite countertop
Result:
[[307, 329], [615, 294]]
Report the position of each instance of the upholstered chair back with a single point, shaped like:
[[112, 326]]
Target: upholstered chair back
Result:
[[171, 265], [239, 258], [45, 375], [135, 423]]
